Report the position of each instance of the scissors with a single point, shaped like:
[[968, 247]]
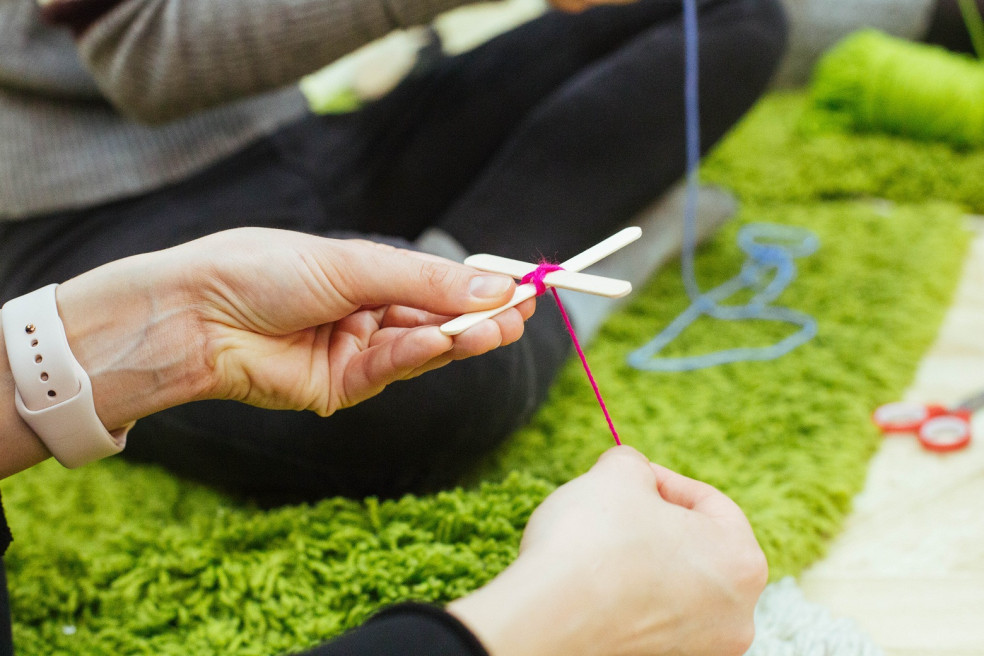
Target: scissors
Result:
[[937, 427]]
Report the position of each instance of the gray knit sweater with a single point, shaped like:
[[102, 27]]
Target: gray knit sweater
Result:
[[148, 91]]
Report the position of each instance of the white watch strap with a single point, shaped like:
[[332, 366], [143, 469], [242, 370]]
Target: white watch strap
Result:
[[54, 395]]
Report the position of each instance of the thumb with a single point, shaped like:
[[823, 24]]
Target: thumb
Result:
[[369, 275], [625, 464], [695, 495]]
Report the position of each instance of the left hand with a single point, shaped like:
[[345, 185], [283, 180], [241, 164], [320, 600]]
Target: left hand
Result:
[[275, 319]]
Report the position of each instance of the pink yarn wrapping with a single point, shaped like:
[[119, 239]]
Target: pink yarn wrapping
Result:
[[536, 278]]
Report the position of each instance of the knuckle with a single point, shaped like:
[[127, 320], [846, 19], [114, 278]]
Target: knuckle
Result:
[[751, 572], [435, 274], [754, 569], [741, 639]]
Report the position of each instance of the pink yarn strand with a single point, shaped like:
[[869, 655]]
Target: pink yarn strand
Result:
[[536, 277]]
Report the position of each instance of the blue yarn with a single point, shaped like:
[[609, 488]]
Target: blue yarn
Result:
[[771, 250], [769, 269]]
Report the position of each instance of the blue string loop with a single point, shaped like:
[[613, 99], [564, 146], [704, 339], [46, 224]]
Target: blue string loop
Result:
[[704, 304], [768, 271]]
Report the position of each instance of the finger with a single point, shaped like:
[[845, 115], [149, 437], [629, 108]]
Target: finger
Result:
[[364, 274], [511, 326], [399, 316], [369, 371], [626, 464], [479, 339], [405, 353], [694, 495], [436, 363], [508, 326], [383, 335], [527, 308]]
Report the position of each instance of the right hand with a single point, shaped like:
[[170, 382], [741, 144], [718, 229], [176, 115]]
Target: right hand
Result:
[[628, 559]]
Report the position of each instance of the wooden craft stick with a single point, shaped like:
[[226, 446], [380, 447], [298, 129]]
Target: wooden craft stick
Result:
[[570, 280], [466, 321], [603, 249], [523, 292]]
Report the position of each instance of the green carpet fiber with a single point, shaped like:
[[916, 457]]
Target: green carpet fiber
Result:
[[118, 559]]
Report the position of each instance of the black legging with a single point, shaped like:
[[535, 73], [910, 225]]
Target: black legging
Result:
[[539, 142]]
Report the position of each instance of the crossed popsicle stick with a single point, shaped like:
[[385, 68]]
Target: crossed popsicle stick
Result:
[[567, 278]]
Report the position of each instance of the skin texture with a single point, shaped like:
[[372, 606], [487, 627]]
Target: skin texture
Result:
[[272, 318], [628, 559]]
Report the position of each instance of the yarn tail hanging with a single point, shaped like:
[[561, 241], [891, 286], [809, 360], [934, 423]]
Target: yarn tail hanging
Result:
[[536, 278], [873, 82]]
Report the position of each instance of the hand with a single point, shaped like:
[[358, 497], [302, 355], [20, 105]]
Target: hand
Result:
[[577, 6], [628, 559], [273, 318]]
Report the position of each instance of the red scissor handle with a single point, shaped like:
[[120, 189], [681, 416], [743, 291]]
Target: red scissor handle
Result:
[[947, 432], [905, 417]]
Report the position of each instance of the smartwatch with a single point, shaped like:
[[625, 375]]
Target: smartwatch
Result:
[[53, 393]]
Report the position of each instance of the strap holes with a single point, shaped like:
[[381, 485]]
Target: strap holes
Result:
[[34, 343], [29, 328], [38, 359], [44, 375], [51, 393]]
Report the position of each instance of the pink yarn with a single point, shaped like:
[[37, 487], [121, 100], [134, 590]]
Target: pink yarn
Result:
[[536, 277]]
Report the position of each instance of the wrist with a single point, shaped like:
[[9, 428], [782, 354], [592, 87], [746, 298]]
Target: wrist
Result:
[[20, 446], [532, 609], [128, 324]]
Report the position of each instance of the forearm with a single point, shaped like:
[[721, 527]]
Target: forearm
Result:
[[131, 326], [128, 324], [274, 318], [535, 609], [157, 60]]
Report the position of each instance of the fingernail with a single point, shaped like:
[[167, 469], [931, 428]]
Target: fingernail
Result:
[[489, 286]]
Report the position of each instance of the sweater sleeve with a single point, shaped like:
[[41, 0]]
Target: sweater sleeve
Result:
[[408, 628], [158, 60]]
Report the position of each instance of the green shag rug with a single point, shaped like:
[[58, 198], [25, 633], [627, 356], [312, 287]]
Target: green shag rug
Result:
[[118, 559]]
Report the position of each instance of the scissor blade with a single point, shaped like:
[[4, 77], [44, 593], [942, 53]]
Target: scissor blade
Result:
[[973, 404]]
